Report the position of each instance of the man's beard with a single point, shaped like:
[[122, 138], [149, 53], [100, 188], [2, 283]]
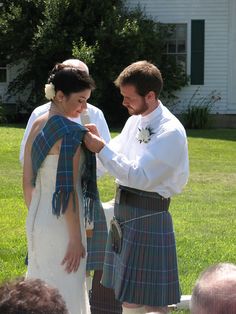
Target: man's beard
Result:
[[143, 108]]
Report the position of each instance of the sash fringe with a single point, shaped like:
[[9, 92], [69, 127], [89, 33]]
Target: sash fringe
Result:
[[60, 202]]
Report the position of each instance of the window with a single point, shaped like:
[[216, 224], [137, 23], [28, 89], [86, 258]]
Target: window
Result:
[[3, 74], [176, 45]]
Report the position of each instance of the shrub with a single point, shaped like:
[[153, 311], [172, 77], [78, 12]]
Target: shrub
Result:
[[104, 34], [199, 108]]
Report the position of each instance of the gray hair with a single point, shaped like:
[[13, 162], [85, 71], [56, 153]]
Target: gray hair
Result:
[[215, 290]]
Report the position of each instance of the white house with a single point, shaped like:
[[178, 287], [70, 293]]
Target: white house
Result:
[[205, 41], [7, 74]]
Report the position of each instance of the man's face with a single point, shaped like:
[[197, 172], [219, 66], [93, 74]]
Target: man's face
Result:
[[134, 103]]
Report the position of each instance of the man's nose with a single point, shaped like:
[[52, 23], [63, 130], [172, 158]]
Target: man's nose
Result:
[[125, 103]]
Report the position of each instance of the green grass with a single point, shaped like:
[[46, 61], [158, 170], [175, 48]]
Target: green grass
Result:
[[204, 214]]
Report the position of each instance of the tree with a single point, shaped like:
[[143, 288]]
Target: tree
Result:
[[104, 34]]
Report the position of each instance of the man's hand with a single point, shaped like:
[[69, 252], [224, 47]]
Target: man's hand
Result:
[[93, 142], [92, 128]]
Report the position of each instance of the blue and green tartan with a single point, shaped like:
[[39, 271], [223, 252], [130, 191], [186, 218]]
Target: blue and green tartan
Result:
[[97, 243], [71, 133], [146, 270]]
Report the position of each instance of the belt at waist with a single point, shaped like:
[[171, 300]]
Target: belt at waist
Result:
[[141, 199]]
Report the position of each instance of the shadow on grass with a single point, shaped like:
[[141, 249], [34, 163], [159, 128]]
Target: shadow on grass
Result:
[[221, 134], [13, 125], [217, 134]]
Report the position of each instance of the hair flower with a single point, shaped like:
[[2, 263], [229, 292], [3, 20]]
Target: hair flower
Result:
[[49, 91], [144, 135]]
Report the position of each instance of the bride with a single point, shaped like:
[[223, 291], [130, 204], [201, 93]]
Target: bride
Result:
[[55, 192]]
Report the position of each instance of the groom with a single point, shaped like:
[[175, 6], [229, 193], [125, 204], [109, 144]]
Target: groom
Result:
[[102, 300]]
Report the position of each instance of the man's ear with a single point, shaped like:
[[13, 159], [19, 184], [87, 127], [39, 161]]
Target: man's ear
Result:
[[150, 96]]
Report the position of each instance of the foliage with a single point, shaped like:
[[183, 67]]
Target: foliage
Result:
[[104, 34], [2, 114], [84, 52], [199, 109]]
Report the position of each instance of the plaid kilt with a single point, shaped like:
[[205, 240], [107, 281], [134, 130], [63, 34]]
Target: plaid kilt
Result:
[[145, 272], [97, 244]]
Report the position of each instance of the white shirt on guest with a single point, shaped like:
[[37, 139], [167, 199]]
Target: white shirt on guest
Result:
[[161, 165], [95, 114]]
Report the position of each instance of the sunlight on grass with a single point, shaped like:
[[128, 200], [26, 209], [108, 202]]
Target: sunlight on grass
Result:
[[204, 214]]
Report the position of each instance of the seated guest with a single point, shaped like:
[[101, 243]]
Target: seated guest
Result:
[[30, 296], [215, 290]]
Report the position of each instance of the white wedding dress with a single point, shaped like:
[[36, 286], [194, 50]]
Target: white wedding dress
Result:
[[47, 238]]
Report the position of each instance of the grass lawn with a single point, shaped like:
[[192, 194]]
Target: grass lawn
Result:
[[204, 214]]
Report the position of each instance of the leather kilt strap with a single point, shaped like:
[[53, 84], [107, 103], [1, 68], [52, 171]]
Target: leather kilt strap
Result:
[[141, 199]]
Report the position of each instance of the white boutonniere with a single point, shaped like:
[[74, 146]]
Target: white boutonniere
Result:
[[144, 135], [49, 91]]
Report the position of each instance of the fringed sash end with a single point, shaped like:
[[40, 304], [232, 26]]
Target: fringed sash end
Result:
[[60, 202]]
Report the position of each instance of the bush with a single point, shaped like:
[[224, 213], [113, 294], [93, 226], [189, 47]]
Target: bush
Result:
[[104, 34], [199, 108], [2, 115]]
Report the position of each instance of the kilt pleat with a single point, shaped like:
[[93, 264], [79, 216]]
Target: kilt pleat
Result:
[[97, 244], [146, 270]]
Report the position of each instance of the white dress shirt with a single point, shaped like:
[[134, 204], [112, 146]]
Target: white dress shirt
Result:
[[95, 114], [161, 165]]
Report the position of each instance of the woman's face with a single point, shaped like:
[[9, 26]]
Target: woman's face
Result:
[[75, 103]]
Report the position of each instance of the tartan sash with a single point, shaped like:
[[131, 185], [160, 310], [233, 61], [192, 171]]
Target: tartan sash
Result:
[[72, 134]]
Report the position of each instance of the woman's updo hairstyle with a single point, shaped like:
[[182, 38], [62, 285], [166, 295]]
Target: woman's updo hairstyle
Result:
[[70, 79]]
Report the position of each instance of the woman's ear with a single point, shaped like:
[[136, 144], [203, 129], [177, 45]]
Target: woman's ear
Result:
[[59, 96]]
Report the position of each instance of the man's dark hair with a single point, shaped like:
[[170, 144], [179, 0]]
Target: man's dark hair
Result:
[[30, 296], [144, 76]]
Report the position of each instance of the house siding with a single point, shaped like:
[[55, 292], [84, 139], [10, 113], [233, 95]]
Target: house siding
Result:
[[11, 74], [12, 71], [231, 60], [220, 44]]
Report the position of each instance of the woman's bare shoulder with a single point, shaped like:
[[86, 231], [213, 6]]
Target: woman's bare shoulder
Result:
[[37, 126]]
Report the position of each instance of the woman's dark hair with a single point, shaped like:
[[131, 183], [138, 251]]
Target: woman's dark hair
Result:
[[70, 79]]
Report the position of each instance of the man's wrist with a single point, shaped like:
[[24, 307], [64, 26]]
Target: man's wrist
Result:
[[101, 145]]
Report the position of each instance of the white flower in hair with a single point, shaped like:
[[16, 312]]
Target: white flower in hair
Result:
[[144, 135], [49, 91]]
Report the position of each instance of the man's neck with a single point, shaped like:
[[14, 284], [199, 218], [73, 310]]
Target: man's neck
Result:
[[151, 108]]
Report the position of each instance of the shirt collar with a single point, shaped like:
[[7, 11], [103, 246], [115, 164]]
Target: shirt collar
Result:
[[152, 115]]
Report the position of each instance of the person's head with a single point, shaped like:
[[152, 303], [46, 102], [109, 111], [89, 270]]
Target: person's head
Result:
[[76, 63], [30, 296], [140, 85], [215, 290], [69, 88]]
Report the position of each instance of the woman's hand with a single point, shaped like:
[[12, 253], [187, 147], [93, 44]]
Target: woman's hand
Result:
[[75, 251]]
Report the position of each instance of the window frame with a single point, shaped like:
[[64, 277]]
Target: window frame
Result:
[[177, 40]]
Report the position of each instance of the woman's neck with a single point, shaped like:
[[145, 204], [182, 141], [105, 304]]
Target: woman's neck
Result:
[[56, 109]]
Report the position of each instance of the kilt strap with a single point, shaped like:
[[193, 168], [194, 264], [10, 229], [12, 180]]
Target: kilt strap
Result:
[[141, 199]]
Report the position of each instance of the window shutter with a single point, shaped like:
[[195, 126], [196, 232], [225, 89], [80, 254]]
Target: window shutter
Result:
[[197, 51]]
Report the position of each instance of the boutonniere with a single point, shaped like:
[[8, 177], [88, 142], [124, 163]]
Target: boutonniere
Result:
[[144, 135]]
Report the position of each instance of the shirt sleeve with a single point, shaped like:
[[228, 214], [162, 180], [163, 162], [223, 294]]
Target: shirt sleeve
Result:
[[30, 122], [103, 128], [104, 132], [156, 164]]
